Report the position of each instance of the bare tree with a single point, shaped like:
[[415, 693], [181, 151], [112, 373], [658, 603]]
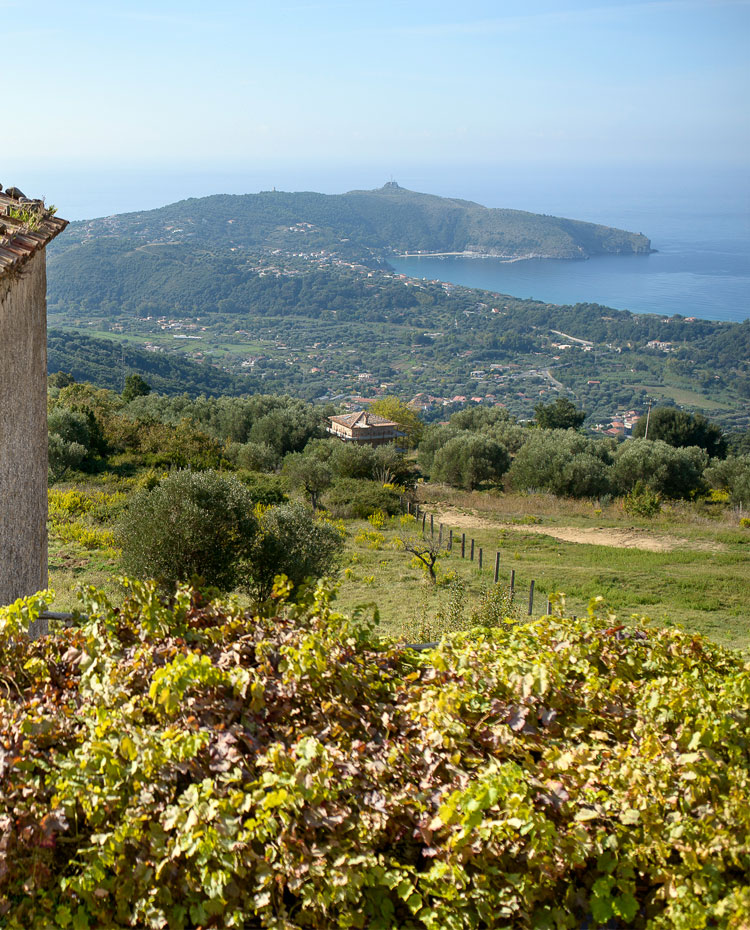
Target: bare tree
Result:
[[427, 549]]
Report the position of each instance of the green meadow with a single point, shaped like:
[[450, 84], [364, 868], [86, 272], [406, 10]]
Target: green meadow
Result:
[[696, 573]]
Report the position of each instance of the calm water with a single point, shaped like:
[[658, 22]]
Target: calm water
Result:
[[706, 276]]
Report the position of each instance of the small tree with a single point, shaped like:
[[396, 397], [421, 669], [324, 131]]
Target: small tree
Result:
[[191, 524], [135, 386], [682, 429], [468, 459], [560, 414], [426, 549], [291, 542], [564, 462], [409, 420], [308, 473], [669, 471], [75, 441]]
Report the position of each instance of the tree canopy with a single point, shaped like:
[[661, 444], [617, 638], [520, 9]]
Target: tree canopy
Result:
[[680, 429], [560, 414]]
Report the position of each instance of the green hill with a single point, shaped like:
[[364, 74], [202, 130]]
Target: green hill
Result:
[[359, 224]]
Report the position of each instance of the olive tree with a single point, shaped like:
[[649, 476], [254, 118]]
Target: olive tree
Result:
[[468, 459], [562, 461], [670, 471], [291, 541], [192, 524]]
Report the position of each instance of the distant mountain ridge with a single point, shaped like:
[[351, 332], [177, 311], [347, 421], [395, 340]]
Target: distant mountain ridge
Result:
[[359, 224]]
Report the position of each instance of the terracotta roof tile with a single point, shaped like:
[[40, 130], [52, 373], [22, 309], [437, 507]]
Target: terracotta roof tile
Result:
[[362, 418], [25, 227]]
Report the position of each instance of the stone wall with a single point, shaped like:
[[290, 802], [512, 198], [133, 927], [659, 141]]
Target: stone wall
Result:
[[23, 431]]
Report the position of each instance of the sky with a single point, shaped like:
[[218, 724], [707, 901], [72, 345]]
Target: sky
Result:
[[131, 104]]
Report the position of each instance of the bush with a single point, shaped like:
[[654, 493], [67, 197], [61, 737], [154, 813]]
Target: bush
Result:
[[681, 429], [198, 766], [733, 476], [75, 441], [563, 462], [468, 459], [350, 499], [641, 502], [190, 524], [664, 469], [264, 489], [254, 456], [291, 541]]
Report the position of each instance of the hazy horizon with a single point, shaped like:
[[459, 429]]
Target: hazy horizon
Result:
[[580, 191], [134, 105]]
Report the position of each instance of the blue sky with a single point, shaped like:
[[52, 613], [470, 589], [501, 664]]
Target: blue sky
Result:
[[303, 89]]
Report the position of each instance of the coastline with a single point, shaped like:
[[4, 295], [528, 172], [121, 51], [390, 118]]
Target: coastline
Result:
[[505, 259]]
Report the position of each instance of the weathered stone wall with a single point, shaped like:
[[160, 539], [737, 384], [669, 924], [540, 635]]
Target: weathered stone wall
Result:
[[23, 431]]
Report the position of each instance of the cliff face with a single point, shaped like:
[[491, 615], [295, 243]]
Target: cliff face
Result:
[[23, 430]]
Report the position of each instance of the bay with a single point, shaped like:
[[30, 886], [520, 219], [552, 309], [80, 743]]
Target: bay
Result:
[[701, 268]]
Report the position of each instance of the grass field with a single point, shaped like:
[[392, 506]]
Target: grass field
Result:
[[682, 396], [698, 579], [690, 565]]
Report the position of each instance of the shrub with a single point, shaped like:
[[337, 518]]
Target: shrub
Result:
[[681, 429], [349, 499], [199, 766], [733, 476], [264, 489], [254, 456], [496, 606], [75, 441], [563, 462], [190, 524], [641, 502], [663, 469], [468, 459], [291, 541]]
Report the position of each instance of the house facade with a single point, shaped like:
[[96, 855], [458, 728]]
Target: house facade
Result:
[[26, 227], [364, 427]]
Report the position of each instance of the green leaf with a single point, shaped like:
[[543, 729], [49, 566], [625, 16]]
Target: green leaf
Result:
[[625, 906], [63, 916], [128, 749]]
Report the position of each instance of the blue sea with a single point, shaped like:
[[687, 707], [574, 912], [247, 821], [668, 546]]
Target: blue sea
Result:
[[701, 267], [696, 215]]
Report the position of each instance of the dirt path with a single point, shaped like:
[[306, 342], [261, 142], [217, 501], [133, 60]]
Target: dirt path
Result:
[[593, 536]]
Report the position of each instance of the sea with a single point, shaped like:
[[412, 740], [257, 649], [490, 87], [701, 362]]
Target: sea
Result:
[[700, 266], [697, 217]]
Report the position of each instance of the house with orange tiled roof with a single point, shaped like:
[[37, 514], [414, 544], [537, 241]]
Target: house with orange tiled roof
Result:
[[26, 227], [365, 428]]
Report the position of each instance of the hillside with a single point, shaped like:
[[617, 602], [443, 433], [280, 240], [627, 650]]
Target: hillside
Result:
[[292, 293], [362, 224]]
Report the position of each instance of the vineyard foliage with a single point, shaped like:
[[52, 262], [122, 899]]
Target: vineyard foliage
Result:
[[196, 766]]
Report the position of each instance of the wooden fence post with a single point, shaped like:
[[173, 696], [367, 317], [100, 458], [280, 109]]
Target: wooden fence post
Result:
[[512, 580], [497, 567], [424, 517], [472, 551], [450, 539], [480, 558], [463, 545], [549, 607], [531, 597], [432, 525], [440, 534]]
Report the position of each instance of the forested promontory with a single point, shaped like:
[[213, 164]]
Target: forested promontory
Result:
[[365, 224]]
